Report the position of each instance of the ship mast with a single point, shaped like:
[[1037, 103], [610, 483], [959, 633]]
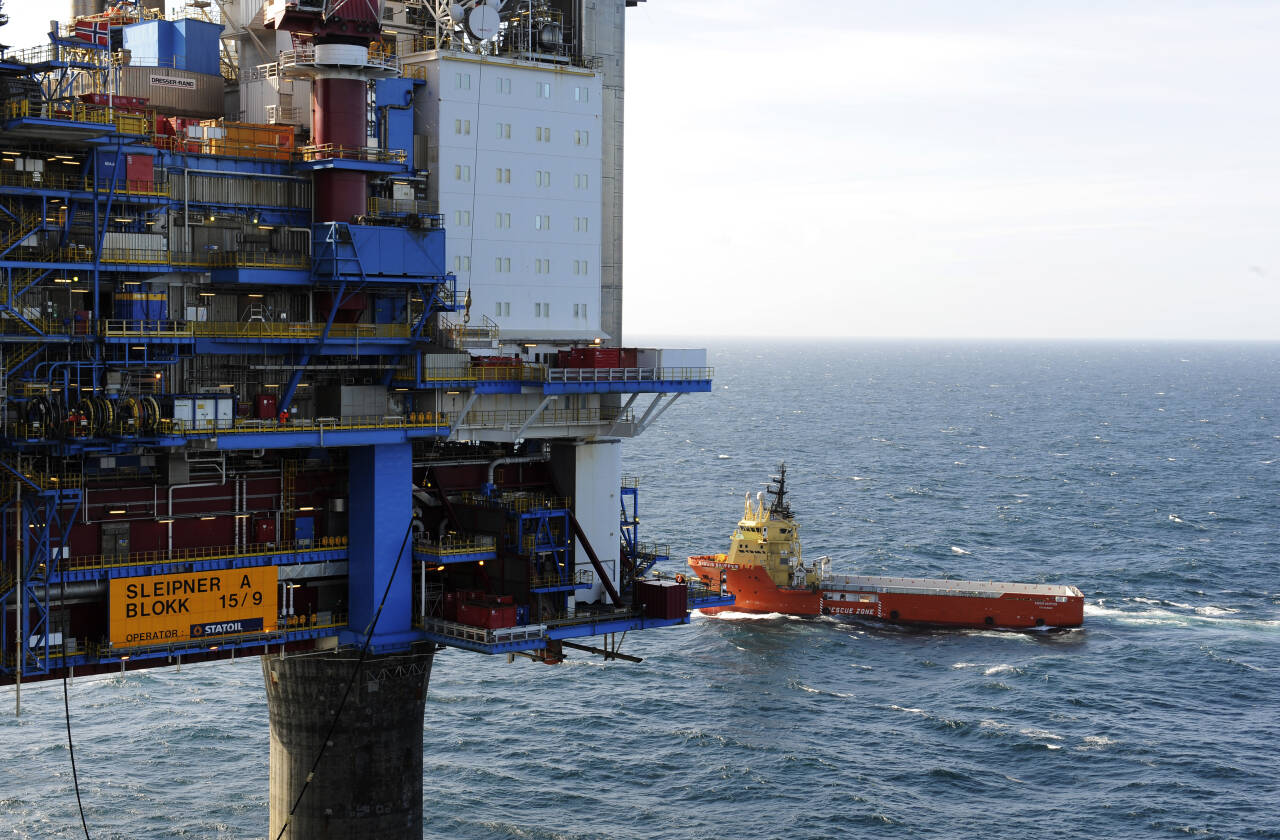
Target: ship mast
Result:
[[779, 508]]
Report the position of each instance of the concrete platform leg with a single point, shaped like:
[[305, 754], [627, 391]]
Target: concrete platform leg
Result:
[[369, 782]]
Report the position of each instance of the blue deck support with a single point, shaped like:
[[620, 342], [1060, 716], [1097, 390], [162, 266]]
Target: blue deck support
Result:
[[43, 526], [381, 509]]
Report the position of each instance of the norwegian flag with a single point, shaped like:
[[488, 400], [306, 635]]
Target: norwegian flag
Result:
[[96, 32]]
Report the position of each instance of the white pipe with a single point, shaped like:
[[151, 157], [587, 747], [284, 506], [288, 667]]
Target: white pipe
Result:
[[169, 525], [222, 468], [544, 455]]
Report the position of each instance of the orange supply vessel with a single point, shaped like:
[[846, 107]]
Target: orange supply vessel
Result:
[[766, 574]]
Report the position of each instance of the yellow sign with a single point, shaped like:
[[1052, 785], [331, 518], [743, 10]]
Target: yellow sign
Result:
[[160, 609]]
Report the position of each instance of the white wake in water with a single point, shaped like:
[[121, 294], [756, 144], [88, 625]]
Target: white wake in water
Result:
[[1204, 616], [741, 616]]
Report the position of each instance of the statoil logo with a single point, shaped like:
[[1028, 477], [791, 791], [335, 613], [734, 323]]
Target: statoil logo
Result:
[[223, 628]]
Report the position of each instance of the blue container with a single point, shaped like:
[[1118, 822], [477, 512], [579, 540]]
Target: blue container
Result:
[[142, 306], [151, 43], [183, 44], [196, 41]]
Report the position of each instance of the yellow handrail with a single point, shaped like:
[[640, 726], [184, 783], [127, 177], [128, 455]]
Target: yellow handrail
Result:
[[182, 555]]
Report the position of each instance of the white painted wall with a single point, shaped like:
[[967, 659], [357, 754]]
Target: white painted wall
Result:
[[527, 242], [597, 477]]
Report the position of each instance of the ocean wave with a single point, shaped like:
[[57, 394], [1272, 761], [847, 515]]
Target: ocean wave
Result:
[[1215, 611], [1002, 669], [824, 692], [1199, 617], [743, 616]]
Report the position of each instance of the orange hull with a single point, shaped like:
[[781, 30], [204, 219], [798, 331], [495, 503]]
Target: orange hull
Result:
[[754, 591], [935, 603]]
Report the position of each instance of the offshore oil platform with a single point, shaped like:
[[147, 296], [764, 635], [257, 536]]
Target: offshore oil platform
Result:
[[310, 348]]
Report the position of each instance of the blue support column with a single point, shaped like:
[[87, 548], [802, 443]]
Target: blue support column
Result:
[[381, 509]]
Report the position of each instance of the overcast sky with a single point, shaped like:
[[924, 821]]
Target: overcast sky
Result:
[[940, 169], [983, 169]]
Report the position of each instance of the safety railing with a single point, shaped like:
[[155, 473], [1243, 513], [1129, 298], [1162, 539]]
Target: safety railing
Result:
[[523, 503], [277, 633], [506, 418], [655, 374], [32, 326], [142, 328], [118, 327], [187, 555], [451, 547], [517, 372], [400, 206], [332, 151], [51, 481], [27, 224], [295, 329], [134, 256], [481, 635], [41, 180], [57, 52], [416, 420], [581, 577], [77, 112], [258, 259], [561, 618]]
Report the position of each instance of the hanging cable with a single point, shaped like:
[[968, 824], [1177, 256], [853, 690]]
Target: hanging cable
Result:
[[71, 750], [364, 652]]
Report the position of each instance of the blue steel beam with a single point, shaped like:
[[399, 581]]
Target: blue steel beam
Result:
[[380, 568]]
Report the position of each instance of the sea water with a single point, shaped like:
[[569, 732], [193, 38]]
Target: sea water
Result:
[[1146, 474]]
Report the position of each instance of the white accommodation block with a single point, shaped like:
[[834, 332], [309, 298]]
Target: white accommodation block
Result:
[[516, 171]]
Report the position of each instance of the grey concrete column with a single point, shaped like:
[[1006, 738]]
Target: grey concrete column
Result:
[[369, 782]]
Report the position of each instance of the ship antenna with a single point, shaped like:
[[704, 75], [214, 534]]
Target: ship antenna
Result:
[[779, 508]]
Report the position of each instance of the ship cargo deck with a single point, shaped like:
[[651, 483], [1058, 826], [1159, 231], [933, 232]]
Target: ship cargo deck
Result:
[[936, 586]]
